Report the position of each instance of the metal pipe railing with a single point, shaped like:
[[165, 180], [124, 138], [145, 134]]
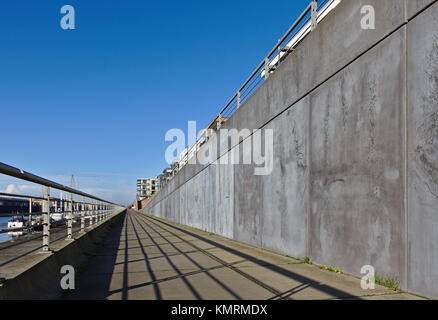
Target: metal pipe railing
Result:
[[20, 174], [90, 208], [306, 23]]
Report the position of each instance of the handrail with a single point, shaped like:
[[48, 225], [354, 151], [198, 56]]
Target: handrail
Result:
[[13, 195], [73, 210], [318, 13], [20, 174]]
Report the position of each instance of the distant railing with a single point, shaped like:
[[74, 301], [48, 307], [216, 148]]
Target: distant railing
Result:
[[89, 208], [315, 12]]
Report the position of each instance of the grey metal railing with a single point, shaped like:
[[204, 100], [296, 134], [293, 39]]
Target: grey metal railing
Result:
[[89, 208], [314, 13]]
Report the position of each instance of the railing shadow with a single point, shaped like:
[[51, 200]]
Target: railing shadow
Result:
[[93, 279], [334, 292]]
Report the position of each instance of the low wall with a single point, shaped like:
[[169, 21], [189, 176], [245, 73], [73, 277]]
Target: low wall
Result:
[[355, 177], [42, 280]]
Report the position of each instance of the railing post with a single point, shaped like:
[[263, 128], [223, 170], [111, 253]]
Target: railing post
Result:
[[266, 68], [70, 216], [314, 15], [29, 225], [46, 220], [77, 210], [92, 213], [238, 99], [83, 215]]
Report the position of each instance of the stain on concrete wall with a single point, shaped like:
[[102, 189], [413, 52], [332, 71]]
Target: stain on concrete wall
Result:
[[357, 212]]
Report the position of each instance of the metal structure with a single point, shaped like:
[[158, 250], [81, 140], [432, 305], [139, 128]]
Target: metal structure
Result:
[[88, 208], [315, 12]]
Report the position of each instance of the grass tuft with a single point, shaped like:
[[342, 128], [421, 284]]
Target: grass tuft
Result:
[[387, 281], [331, 269], [307, 260]]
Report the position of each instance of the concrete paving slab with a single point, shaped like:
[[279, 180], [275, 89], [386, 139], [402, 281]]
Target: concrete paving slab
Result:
[[225, 270]]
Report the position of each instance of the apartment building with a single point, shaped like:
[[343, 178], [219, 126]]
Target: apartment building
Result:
[[146, 188]]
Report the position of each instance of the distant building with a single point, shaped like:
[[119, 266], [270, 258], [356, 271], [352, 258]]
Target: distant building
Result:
[[146, 188]]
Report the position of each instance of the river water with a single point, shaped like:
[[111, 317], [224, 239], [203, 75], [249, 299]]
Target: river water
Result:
[[4, 225]]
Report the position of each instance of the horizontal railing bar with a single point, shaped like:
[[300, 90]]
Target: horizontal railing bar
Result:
[[274, 49], [26, 214], [259, 67], [32, 250], [33, 226], [20, 174], [52, 199], [13, 195], [53, 231]]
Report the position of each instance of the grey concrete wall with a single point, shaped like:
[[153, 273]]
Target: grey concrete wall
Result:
[[422, 147], [355, 178]]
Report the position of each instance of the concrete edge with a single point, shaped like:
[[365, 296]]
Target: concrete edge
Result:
[[42, 279]]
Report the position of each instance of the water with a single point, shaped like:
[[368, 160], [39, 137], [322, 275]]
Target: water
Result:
[[4, 225]]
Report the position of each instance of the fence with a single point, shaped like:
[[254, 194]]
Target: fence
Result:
[[89, 209], [314, 13]]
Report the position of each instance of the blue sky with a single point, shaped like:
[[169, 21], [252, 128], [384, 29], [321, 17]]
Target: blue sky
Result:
[[97, 101]]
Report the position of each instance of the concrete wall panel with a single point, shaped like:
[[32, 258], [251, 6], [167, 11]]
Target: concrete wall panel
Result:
[[248, 205], [285, 191], [423, 152], [224, 195], [415, 6], [357, 168]]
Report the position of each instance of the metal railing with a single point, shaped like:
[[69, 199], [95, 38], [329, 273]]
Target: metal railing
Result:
[[314, 13], [89, 208]]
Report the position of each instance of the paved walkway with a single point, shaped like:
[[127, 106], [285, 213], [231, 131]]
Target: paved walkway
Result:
[[150, 258]]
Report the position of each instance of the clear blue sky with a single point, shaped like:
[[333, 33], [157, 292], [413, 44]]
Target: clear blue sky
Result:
[[97, 101]]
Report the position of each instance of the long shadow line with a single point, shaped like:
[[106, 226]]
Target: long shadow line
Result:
[[288, 293], [97, 290], [156, 257], [185, 254], [317, 285], [179, 276], [125, 262], [237, 270], [52, 240], [148, 265], [174, 267], [145, 246]]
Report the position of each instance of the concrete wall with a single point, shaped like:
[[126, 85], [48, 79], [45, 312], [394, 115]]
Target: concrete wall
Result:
[[355, 178]]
